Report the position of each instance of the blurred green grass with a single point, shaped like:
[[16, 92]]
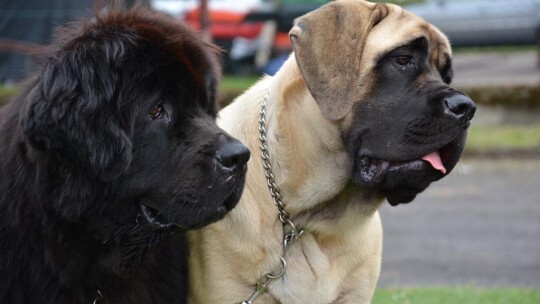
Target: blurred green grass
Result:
[[237, 83], [496, 49], [6, 92], [503, 138], [518, 96], [399, 2], [455, 295], [482, 139]]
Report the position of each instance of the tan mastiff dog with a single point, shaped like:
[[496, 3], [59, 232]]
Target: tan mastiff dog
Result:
[[361, 112]]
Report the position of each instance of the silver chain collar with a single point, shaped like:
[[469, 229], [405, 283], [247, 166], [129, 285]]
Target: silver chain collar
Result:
[[283, 216]]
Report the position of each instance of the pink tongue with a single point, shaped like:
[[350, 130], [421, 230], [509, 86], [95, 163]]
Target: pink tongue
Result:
[[434, 159]]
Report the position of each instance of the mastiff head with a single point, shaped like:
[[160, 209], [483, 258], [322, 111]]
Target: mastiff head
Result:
[[384, 76]]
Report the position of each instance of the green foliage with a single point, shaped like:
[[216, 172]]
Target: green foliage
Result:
[[461, 295]]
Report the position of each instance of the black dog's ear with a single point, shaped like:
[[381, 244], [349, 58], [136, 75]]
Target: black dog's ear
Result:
[[72, 113]]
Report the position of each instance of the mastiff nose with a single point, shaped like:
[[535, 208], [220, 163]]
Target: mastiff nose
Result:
[[232, 153], [460, 106]]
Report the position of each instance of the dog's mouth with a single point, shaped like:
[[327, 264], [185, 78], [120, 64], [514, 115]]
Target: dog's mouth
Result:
[[372, 171], [401, 181], [155, 219], [211, 211]]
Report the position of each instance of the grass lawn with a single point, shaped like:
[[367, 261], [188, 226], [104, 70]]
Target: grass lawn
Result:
[[503, 138], [232, 86], [237, 83], [458, 295], [481, 140], [6, 92], [496, 49]]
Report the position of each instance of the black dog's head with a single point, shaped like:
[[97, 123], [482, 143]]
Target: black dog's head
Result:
[[122, 116], [384, 78]]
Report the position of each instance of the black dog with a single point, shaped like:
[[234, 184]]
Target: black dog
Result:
[[107, 156]]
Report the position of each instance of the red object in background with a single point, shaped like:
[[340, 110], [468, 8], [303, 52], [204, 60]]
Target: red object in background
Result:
[[225, 25], [282, 41]]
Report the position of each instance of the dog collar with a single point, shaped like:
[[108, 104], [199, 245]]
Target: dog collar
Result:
[[283, 216]]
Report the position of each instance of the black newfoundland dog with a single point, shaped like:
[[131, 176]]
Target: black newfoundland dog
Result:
[[107, 156]]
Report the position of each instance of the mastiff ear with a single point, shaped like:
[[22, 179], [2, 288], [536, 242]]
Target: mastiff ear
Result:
[[328, 45], [72, 112]]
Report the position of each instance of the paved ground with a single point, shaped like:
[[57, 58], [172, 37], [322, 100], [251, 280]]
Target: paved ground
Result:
[[499, 69], [481, 225], [481, 69]]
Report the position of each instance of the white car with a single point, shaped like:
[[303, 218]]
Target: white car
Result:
[[483, 22]]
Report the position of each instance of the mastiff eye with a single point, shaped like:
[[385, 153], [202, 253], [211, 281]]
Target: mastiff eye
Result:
[[157, 112], [404, 60]]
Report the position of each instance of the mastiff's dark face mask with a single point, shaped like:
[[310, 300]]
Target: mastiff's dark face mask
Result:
[[402, 125], [411, 128]]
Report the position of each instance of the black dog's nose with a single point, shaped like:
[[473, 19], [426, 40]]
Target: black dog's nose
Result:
[[460, 106], [232, 153]]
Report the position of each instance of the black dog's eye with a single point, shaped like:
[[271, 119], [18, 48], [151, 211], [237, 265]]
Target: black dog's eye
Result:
[[157, 112], [404, 60]]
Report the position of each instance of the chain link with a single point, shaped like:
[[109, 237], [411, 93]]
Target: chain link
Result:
[[283, 216], [270, 179]]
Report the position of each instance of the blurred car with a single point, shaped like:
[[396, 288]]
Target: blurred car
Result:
[[227, 17], [229, 25], [237, 26], [483, 22]]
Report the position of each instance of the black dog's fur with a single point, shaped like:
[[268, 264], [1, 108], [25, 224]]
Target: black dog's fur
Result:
[[80, 153]]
